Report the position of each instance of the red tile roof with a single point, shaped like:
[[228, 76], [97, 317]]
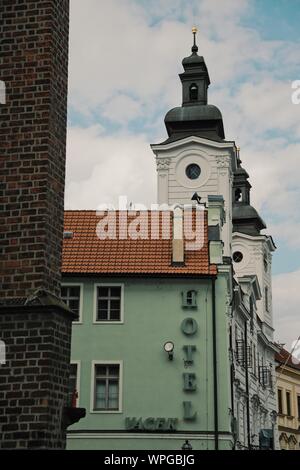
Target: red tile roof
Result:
[[86, 253], [284, 357]]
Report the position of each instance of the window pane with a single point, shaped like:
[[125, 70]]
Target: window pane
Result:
[[74, 305], [113, 395], [101, 370], [102, 315], [72, 386], [64, 291], [103, 291], [113, 370], [115, 291], [74, 291], [115, 315], [115, 304], [100, 395], [103, 304]]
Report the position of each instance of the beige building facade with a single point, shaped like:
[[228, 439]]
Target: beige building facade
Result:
[[288, 396]]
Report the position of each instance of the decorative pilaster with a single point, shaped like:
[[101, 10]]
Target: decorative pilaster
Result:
[[163, 165]]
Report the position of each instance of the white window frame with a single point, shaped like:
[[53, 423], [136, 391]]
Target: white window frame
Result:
[[100, 362], [80, 285], [101, 322], [78, 363]]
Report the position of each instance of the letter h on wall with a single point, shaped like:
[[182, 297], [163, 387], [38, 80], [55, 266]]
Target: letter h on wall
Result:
[[189, 299]]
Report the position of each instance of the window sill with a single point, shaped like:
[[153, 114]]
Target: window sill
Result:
[[105, 412], [108, 322]]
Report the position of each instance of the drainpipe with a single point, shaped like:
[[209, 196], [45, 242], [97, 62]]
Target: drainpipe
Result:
[[231, 380], [247, 386], [215, 368]]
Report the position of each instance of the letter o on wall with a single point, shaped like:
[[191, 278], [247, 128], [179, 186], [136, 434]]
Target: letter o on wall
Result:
[[189, 326]]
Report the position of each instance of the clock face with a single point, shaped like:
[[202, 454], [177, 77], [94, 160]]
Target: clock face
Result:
[[193, 171]]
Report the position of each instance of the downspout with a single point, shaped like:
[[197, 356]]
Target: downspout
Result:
[[232, 379], [215, 367], [247, 386]]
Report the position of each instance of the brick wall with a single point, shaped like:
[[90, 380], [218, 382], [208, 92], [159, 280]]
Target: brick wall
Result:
[[34, 67], [36, 329], [33, 383]]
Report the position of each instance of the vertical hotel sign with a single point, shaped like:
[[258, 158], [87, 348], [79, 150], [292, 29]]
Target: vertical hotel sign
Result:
[[189, 328]]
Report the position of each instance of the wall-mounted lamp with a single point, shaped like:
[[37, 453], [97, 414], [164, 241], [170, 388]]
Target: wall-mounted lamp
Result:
[[196, 198], [169, 348], [187, 446]]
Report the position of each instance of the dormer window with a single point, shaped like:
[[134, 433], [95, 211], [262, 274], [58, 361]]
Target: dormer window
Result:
[[189, 299], [193, 92]]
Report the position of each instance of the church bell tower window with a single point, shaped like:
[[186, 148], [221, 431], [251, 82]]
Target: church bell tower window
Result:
[[193, 92], [238, 195]]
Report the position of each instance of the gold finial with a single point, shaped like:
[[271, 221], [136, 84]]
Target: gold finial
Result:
[[195, 47]]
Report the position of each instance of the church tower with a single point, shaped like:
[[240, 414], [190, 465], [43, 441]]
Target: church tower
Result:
[[252, 251], [196, 157]]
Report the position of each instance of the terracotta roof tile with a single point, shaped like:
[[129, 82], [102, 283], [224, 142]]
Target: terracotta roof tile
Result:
[[284, 357], [85, 253]]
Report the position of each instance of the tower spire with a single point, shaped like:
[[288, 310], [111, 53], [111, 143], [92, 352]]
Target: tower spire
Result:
[[195, 47]]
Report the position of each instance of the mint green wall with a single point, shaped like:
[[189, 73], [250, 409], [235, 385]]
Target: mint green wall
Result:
[[152, 384]]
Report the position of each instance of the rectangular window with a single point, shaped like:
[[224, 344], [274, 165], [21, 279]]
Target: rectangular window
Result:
[[298, 402], [254, 360], [107, 387], [73, 391], [265, 376], [240, 352], [71, 296], [109, 303], [279, 394], [288, 404]]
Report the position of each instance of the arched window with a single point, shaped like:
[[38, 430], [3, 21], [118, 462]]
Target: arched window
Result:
[[193, 92], [238, 195]]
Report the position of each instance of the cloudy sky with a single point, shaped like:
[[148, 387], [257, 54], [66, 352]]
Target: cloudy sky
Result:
[[125, 57]]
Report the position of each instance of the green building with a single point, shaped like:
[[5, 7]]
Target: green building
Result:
[[150, 349]]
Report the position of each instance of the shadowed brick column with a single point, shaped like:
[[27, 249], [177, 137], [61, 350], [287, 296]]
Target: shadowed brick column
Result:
[[34, 324], [34, 67]]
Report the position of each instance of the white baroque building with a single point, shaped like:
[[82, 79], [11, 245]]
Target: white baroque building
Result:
[[196, 158]]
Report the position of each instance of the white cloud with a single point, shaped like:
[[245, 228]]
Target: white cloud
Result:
[[101, 168], [122, 109], [286, 299]]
